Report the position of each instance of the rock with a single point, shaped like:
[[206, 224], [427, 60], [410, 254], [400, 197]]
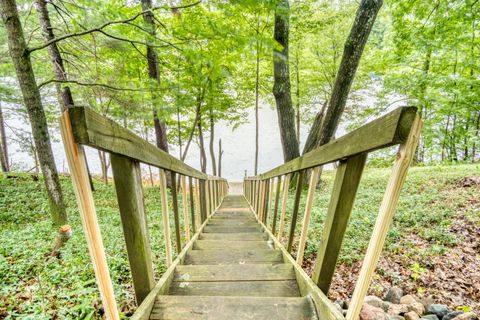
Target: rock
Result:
[[412, 315], [394, 295], [440, 310], [374, 301], [369, 312], [342, 303], [338, 307], [386, 305], [397, 309], [396, 318], [417, 307], [408, 299], [430, 317], [465, 316], [427, 301], [452, 315]]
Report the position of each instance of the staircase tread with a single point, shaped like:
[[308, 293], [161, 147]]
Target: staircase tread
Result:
[[233, 256], [231, 244]]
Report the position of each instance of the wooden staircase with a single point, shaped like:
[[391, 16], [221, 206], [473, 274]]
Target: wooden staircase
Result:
[[233, 271]]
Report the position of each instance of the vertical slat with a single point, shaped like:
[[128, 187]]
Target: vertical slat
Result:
[[78, 173], [270, 197], [343, 195], [198, 210], [128, 186], [385, 217], [185, 208], [296, 205], [308, 210], [261, 200], [286, 185], [267, 201], [192, 204], [165, 217], [176, 218], [203, 200], [275, 210]]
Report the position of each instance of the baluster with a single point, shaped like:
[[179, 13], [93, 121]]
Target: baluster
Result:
[[286, 185], [165, 216], [203, 200], [192, 205], [296, 205], [176, 218], [308, 210], [275, 210], [185, 208]]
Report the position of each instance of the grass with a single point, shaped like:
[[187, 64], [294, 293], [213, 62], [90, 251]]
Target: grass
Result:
[[432, 203]]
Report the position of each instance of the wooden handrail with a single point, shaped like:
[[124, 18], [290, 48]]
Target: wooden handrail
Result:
[[391, 129]]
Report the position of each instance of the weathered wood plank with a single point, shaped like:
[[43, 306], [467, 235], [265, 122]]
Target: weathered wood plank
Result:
[[192, 205], [233, 256], [128, 186], [256, 236], [93, 129], [185, 208], [391, 129], [296, 206], [235, 308], [385, 217], [343, 195], [213, 229], [165, 217], [286, 185], [245, 272], [279, 288], [176, 218], [275, 210], [229, 244]]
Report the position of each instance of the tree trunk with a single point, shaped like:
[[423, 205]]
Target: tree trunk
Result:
[[179, 129], [297, 94], [31, 96], [154, 73], [365, 17], [3, 144], [257, 93], [220, 155], [212, 140], [203, 155], [315, 130], [195, 122], [281, 86]]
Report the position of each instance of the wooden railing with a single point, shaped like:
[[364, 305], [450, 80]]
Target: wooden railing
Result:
[[82, 126], [400, 127]]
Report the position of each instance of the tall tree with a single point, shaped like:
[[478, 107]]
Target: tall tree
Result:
[[33, 103], [354, 46], [281, 87], [3, 144]]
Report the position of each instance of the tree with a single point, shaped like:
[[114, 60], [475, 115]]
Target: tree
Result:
[[31, 96], [281, 87]]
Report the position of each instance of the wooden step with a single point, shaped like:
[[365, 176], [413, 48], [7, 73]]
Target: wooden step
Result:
[[251, 236], [233, 223], [228, 245], [246, 272], [233, 256], [280, 288], [169, 307], [232, 229]]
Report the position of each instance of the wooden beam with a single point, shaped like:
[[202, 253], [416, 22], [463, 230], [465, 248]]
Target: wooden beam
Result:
[[128, 186], [286, 185], [308, 210], [385, 217], [345, 188], [296, 206], [83, 193], [185, 209], [165, 217], [93, 129], [385, 131]]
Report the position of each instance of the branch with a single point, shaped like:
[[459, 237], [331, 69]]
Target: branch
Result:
[[103, 26], [91, 85]]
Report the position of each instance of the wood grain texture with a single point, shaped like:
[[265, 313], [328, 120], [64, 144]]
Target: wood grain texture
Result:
[[176, 215], [165, 217], [296, 206], [345, 188], [276, 201], [385, 217], [286, 185], [128, 186], [93, 129], [233, 256], [83, 193]]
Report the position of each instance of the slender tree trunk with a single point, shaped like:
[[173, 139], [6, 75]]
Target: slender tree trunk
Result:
[[195, 122], [315, 130], [477, 131], [33, 103], [3, 144], [281, 87], [445, 137], [257, 94], [179, 132], [220, 155], [203, 155], [212, 141], [420, 151], [365, 17], [154, 73], [297, 93]]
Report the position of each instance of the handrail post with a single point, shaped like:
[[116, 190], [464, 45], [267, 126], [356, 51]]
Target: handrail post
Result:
[[296, 205], [83, 193], [128, 186]]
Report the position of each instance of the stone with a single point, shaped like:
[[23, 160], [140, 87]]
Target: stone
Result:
[[369, 312], [396, 317], [374, 301], [417, 307], [427, 301], [440, 310], [394, 295], [466, 316], [338, 307], [412, 315], [386, 305], [342, 303], [430, 317], [397, 309], [452, 315], [408, 299]]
